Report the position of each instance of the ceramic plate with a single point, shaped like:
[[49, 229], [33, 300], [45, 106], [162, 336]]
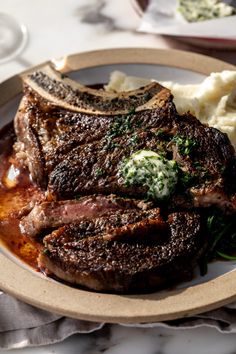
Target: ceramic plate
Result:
[[203, 293], [215, 43]]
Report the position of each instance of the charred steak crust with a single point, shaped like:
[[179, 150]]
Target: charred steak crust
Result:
[[212, 162], [74, 140], [28, 146], [47, 133], [78, 172], [65, 158], [128, 252]]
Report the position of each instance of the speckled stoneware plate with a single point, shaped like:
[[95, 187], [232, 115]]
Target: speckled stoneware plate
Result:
[[203, 293], [214, 43]]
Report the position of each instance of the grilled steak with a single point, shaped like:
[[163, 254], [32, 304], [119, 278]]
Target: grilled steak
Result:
[[74, 139], [49, 128], [50, 215], [130, 251]]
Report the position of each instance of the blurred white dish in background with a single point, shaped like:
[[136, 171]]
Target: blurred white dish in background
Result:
[[213, 101], [201, 10], [154, 21], [190, 35], [13, 37]]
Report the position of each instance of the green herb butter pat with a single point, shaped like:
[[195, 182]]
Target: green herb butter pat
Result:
[[147, 168], [200, 10]]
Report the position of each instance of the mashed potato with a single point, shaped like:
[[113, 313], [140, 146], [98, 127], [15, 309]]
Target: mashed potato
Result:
[[212, 102]]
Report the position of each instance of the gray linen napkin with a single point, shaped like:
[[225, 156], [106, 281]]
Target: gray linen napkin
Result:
[[22, 325]]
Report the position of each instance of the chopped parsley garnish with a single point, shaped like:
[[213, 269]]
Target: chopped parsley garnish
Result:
[[149, 169], [186, 179], [197, 165], [185, 145], [160, 133], [122, 125], [46, 252], [134, 139], [99, 172], [202, 172], [78, 196], [111, 145]]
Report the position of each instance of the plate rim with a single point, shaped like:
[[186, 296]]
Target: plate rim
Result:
[[88, 59], [87, 305]]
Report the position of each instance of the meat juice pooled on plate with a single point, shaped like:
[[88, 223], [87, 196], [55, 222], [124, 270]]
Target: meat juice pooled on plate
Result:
[[125, 179]]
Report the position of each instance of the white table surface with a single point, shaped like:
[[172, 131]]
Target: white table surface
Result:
[[68, 26]]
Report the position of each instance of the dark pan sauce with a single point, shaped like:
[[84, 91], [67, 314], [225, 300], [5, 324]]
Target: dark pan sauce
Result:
[[16, 191]]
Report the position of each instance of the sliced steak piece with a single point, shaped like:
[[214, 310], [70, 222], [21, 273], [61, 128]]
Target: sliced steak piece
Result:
[[126, 252], [50, 215], [73, 140]]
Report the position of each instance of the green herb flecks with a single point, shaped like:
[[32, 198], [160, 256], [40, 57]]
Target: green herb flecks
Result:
[[46, 252], [99, 172], [185, 145], [186, 179], [134, 139], [122, 125], [160, 133], [222, 169], [202, 172], [78, 196], [111, 145], [151, 170]]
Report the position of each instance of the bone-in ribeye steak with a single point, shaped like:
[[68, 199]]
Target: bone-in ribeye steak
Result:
[[73, 140]]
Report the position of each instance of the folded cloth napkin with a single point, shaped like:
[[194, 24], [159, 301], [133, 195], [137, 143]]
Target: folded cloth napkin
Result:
[[22, 325]]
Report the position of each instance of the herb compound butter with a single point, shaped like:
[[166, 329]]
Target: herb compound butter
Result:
[[200, 10], [149, 169]]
